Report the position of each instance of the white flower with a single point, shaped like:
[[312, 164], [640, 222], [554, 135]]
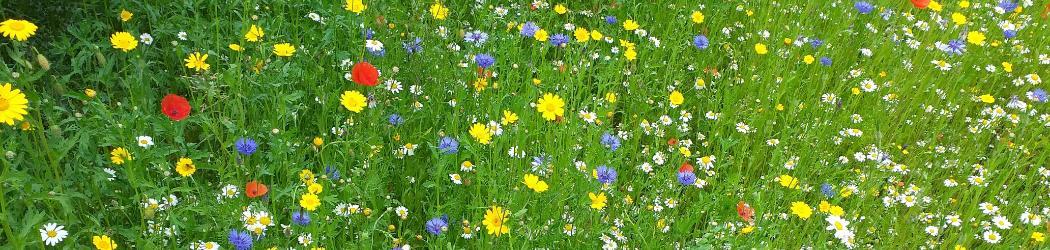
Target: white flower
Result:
[[182, 35], [991, 237], [401, 212], [145, 141], [456, 179], [932, 230], [1001, 222], [374, 45], [836, 223], [146, 38], [52, 234], [229, 191]]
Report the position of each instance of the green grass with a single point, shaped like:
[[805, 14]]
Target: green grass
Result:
[[53, 172]]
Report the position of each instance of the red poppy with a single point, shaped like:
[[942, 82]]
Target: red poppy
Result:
[[365, 74], [254, 189], [686, 167], [745, 211], [175, 107], [921, 4], [673, 141]]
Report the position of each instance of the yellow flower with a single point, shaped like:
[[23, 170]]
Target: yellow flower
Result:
[[975, 37], [747, 230], [541, 35], [19, 30], [697, 17], [125, 15], [986, 98], [958, 18], [355, 6], [597, 200], [197, 62], [533, 182], [185, 167], [103, 242], [283, 49], [761, 49], [309, 202], [318, 141], [119, 155], [630, 54], [789, 181], [801, 209], [254, 34], [551, 106], [581, 35], [496, 221], [676, 98], [824, 206], [508, 117], [439, 11], [596, 35], [610, 97], [560, 9], [1038, 237], [1008, 67], [90, 93], [808, 59], [836, 211], [353, 101], [964, 4], [13, 104], [236, 47], [935, 6], [480, 133], [630, 25], [123, 41], [315, 188]]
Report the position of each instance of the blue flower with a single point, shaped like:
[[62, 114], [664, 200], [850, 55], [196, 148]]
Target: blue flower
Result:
[[245, 146], [448, 145], [395, 119], [956, 47], [484, 60], [476, 37], [1009, 33], [436, 226], [413, 47], [606, 175], [301, 218], [557, 40], [686, 178], [701, 42], [610, 141], [864, 7], [529, 29], [240, 240], [1038, 95], [1007, 5], [825, 61], [827, 190], [610, 19], [816, 43], [369, 33], [332, 173]]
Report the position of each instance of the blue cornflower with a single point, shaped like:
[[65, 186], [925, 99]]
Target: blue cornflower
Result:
[[701, 42], [606, 175], [448, 145], [476, 37], [484, 60], [529, 29], [816, 43], [956, 47], [610, 141], [436, 226], [245, 146], [827, 190], [1038, 95], [864, 7], [557, 40], [369, 33], [825, 61], [686, 178], [301, 218], [610, 19], [395, 119], [1009, 34], [240, 240], [332, 173], [413, 47], [1007, 5]]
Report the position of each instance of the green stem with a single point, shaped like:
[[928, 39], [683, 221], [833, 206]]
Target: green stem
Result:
[[3, 200]]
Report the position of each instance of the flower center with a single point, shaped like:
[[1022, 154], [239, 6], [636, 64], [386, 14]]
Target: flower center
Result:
[[4, 104], [51, 234], [17, 26]]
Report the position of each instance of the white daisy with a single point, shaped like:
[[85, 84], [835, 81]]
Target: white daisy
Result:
[[52, 234]]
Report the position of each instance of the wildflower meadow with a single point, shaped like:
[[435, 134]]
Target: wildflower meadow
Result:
[[540, 124]]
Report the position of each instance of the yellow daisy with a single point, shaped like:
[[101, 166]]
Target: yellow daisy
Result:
[[13, 104]]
